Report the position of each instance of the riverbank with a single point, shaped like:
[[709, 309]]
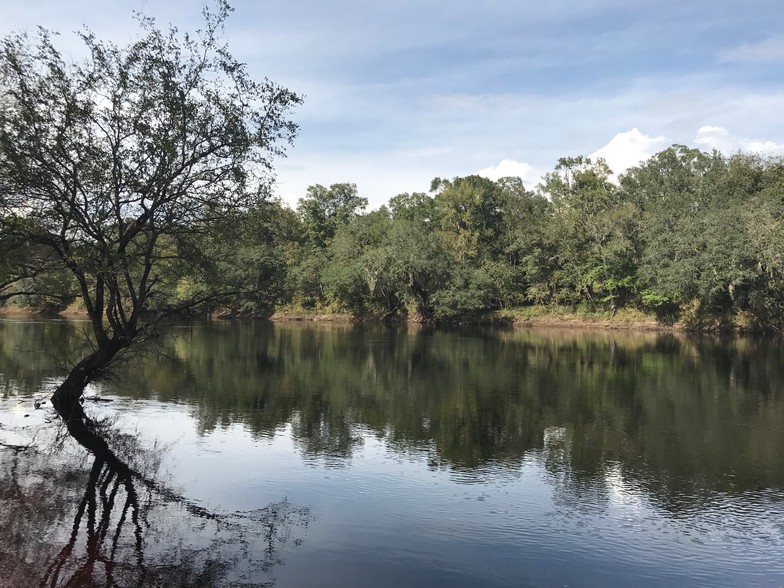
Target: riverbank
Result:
[[281, 316], [632, 320], [528, 317], [523, 317], [562, 317]]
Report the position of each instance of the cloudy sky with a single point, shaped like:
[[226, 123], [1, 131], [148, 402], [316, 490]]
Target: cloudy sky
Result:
[[400, 91]]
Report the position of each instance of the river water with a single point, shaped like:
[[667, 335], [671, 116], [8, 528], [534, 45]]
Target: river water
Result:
[[340, 455]]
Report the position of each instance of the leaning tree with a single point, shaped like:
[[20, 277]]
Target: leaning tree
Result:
[[119, 163]]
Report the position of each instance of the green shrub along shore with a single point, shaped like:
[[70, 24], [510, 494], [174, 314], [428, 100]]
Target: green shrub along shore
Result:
[[523, 317], [687, 240]]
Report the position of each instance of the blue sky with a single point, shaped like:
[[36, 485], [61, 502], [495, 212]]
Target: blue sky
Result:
[[398, 92]]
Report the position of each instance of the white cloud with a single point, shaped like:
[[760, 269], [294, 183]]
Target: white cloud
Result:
[[510, 167], [713, 137], [767, 147], [629, 148], [771, 49]]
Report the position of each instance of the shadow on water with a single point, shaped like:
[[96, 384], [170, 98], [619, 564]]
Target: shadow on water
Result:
[[107, 520], [675, 415], [668, 448]]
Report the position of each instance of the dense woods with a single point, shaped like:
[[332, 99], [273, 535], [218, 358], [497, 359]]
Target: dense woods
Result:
[[688, 236]]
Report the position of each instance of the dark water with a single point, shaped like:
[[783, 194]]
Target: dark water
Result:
[[301, 455]]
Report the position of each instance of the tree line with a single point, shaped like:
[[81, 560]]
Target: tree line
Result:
[[686, 235]]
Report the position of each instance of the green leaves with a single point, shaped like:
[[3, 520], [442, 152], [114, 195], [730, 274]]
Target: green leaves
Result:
[[593, 234], [324, 210], [119, 164]]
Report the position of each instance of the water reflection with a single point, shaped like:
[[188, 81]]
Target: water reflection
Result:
[[114, 523], [530, 450], [679, 415]]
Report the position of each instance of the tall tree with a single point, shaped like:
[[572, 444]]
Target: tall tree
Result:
[[324, 210], [593, 229], [119, 164], [469, 213], [523, 257], [416, 207], [764, 218], [358, 273]]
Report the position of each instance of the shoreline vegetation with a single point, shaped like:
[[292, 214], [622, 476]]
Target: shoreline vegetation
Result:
[[687, 241], [524, 317]]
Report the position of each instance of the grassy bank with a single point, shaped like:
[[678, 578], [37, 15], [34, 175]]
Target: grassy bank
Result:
[[554, 316], [522, 317], [531, 316], [689, 320]]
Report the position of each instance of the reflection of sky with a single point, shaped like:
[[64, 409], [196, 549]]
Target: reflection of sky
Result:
[[401, 516], [396, 519], [20, 423]]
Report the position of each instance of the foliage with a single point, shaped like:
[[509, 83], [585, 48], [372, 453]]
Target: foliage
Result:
[[244, 250], [359, 272], [324, 210], [694, 243], [468, 213], [120, 165], [691, 236], [593, 231]]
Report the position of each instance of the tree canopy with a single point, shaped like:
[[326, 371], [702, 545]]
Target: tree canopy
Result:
[[688, 235], [138, 181], [117, 166]]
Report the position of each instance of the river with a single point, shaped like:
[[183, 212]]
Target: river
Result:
[[350, 455]]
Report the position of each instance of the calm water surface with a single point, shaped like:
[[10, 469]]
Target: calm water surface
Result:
[[307, 455]]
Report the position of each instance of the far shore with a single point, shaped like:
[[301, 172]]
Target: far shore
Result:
[[527, 317], [554, 321]]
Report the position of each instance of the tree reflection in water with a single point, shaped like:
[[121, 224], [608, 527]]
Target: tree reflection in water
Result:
[[115, 524]]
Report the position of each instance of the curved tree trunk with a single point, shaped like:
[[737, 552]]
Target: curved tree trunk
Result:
[[66, 401], [67, 397]]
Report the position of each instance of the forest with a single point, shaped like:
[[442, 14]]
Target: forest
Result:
[[687, 236]]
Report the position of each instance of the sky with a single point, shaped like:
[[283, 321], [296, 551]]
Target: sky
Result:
[[398, 92]]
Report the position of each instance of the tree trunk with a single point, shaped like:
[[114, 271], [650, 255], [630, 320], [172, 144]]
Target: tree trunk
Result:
[[66, 401], [67, 397]]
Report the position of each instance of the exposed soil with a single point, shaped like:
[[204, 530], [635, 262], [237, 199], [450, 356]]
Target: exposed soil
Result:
[[555, 320], [586, 323], [284, 317]]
